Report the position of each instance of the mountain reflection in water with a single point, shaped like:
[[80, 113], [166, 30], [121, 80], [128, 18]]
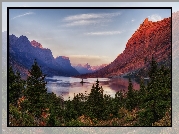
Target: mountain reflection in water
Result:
[[67, 86]]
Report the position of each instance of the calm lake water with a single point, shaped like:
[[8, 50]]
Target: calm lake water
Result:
[[67, 86]]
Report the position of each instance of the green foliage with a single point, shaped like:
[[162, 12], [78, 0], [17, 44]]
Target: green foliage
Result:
[[157, 98], [51, 120], [70, 112], [79, 103], [74, 123], [95, 101], [141, 93], [165, 121], [39, 108], [18, 118], [16, 86], [55, 105], [36, 91], [131, 101]]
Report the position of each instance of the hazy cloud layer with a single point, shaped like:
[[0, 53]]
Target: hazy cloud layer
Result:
[[155, 17], [90, 16], [22, 15], [104, 33], [81, 22], [88, 19], [27, 33]]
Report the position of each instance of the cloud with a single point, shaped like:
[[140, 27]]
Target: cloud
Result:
[[104, 33], [155, 17], [132, 20], [90, 16], [27, 33], [25, 14], [45, 39], [88, 19], [86, 22], [80, 22]]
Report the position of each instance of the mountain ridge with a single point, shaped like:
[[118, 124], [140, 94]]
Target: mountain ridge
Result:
[[150, 39], [83, 69], [22, 54]]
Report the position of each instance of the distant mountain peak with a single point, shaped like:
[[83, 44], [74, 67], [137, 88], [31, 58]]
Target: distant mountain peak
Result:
[[86, 68], [146, 24], [36, 44], [146, 21], [62, 57], [22, 36]]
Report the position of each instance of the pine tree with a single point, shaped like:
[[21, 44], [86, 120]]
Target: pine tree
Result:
[[158, 95], [36, 90], [153, 69], [130, 93], [141, 92], [95, 101], [16, 86], [51, 120], [130, 102]]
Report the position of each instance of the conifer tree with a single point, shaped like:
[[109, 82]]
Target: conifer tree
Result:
[[130, 102], [158, 94], [95, 101], [16, 86], [130, 93], [52, 120], [153, 69], [141, 92], [36, 90]]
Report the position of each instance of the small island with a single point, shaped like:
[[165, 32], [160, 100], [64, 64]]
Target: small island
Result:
[[82, 81]]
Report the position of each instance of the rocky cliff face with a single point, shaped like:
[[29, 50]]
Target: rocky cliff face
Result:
[[22, 53], [95, 68], [64, 63], [151, 38], [36, 44], [83, 69]]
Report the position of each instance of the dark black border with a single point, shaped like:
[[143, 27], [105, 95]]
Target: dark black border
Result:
[[8, 8], [8, 67], [89, 8]]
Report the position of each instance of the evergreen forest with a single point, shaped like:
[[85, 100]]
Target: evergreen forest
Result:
[[30, 105]]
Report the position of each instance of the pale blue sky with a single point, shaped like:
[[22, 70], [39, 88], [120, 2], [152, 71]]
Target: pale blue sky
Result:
[[86, 35]]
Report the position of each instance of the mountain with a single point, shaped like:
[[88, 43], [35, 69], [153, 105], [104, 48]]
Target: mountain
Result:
[[64, 62], [151, 38], [84, 69], [36, 44], [95, 68], [22, 53]]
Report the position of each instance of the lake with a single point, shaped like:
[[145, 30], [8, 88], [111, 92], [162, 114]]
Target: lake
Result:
[[67, 86]]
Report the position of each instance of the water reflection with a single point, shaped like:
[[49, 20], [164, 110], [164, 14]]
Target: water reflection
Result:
[[67, 86], [122, 84]]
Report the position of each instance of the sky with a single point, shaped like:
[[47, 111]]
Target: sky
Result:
[[94, 36]]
